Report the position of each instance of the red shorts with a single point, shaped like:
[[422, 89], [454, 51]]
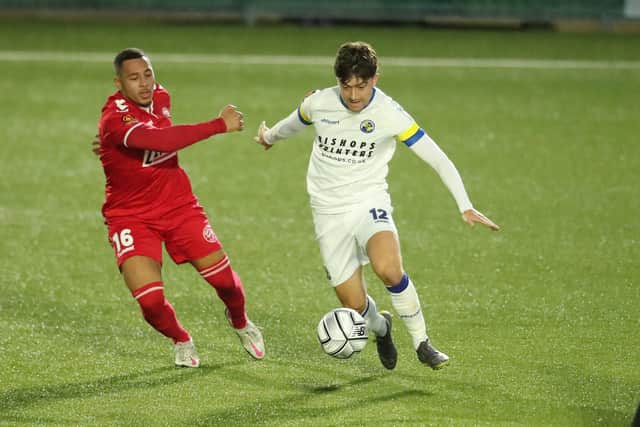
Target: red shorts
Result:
[[186, 233]]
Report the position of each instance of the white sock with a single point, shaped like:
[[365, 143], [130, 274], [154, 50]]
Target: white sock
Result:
[[375, 321], [406, 302]]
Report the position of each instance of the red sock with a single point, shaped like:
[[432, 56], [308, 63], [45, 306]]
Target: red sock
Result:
[[157, 311], [229, 288]]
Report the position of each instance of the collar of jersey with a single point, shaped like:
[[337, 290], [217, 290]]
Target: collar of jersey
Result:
[[148, 110], [373, 94]]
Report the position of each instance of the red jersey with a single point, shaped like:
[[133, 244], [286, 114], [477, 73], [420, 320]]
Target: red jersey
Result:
[[138, 150]]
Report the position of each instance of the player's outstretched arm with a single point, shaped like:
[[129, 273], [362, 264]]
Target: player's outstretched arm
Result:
[[428, 150], [233, 119], [472, 216], [284, 129], [146, 136]]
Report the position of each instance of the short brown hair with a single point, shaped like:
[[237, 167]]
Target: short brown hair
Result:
[[357, 59]]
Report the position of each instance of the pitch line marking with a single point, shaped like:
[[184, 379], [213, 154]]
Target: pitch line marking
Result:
[[522, 63]]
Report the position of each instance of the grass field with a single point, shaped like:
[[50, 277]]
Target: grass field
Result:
[[540, 320]]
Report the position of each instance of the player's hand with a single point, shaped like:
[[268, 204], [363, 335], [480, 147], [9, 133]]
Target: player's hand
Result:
[[233, 119], [260, 137], [95, 145], [472, 216]]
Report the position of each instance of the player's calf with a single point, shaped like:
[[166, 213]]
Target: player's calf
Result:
[[159, 313], [229, 288]]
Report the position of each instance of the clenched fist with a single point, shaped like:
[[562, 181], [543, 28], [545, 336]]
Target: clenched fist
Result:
[[233, 118]]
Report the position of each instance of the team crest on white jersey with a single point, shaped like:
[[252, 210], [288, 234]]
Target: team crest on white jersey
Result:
[[152, 158], [208, 234], [367, 126]]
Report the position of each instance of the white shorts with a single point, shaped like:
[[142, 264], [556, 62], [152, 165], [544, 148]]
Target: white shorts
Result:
[[343, 237]]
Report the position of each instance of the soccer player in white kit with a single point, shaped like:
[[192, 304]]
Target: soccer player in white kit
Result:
[[357, 128]]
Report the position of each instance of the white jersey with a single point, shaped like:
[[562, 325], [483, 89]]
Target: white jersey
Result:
[[351, 150]]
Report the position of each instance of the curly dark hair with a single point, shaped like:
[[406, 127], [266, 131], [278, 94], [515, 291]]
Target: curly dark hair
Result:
[[357, 59]]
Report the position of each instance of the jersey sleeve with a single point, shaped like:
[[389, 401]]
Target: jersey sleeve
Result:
[[125, 129], [426, 148], [293, 123], [410, 135], [406, 130], [115, 125], [149, 137], [305, 110]]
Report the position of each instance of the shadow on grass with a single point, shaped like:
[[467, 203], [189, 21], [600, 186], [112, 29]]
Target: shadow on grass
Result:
[[301, 407], [39, 394], [329, 388], [306, 404], [486, 405], [303, 401]]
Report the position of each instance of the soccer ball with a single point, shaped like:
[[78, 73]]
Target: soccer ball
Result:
[[342, 332]]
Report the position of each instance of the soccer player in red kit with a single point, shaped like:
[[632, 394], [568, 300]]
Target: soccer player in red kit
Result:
[[149, 201]]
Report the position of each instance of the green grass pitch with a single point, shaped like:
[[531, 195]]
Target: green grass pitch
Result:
[[540, 320]]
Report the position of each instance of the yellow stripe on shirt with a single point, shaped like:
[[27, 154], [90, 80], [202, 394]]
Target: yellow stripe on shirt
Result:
[[303, 116], [403, 136]]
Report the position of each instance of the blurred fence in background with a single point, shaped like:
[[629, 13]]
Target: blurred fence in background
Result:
[[250, 11]]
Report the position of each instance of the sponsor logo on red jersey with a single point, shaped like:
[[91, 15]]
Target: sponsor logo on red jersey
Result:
[[152, 158], [129, 119]]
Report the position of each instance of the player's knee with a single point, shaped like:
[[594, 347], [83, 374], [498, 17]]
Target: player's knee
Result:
[[389, 272], [355, 302]]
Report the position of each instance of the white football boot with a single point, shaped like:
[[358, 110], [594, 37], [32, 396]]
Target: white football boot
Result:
[[186, 355], [250, 337]]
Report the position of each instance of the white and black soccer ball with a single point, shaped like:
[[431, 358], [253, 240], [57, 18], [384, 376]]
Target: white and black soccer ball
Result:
[[342, 332]]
